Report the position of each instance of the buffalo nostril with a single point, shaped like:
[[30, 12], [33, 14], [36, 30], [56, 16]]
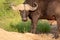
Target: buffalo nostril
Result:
[[24, 19]]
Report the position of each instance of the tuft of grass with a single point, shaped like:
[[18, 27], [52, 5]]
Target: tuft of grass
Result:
[[22, 26], [43, 26]]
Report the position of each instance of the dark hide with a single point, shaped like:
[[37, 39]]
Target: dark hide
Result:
[[47, 9], [54, 9]]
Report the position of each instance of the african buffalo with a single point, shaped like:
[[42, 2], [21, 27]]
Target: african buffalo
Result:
[[47, 9], [40, 9]]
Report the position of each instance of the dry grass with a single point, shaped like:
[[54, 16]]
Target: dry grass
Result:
[[4, 35]]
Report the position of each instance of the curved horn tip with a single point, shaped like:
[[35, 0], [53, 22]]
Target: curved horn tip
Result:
[[34, 8]]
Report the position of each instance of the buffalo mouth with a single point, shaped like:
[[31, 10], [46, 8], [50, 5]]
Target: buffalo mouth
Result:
[[24, 19]]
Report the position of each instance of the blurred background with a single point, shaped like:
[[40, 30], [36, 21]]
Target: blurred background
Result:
[[10, 20]]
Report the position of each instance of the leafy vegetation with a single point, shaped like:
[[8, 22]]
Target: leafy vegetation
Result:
[[11, 21]]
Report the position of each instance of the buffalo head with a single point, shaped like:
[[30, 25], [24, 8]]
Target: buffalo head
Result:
[[24, 9], [25, 12]]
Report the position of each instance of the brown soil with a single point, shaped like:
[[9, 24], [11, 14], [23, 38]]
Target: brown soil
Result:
[[4, 35]]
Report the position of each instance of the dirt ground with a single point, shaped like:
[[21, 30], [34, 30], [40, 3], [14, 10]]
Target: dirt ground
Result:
[[5, 35]]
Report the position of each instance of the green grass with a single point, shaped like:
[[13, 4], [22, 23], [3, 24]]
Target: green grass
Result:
[[42, 27], [22, 26]]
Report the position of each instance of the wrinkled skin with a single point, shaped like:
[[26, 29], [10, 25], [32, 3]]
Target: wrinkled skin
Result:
[[47, 9]]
